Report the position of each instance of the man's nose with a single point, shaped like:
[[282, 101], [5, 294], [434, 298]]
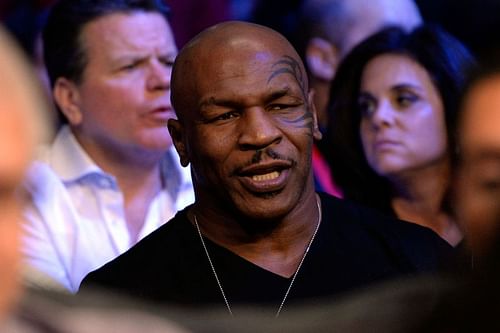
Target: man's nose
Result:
[[258, 129], [159, 76]]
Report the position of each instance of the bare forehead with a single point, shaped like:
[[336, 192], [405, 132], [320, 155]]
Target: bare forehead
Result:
[[243, 51], [237, 43], [134, 30], [237, 59], [228, 33]]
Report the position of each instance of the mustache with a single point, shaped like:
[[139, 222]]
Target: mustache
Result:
[[258, 157]]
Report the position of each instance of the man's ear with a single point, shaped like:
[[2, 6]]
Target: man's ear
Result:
[[67, 97], [177, 133], [322, 58], [317, 135]]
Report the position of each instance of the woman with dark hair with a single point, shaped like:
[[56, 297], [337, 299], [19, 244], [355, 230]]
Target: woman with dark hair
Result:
[[393, 108]]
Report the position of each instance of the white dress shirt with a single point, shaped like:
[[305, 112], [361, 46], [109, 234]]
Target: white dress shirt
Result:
[[75, 221]]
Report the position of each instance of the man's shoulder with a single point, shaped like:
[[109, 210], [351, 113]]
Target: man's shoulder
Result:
[[350, 211], [173, 231], [168, 236], [413, 244], [67, 158], [42, 181], [167, 244], [347, 211]]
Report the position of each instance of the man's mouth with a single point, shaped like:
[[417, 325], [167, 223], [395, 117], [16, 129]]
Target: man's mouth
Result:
[[268, 176], [265, 177]]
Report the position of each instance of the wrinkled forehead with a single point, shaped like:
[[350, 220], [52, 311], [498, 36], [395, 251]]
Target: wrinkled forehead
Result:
[[249, 60], [251, 65]]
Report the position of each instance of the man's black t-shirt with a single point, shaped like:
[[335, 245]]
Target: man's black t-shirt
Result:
[[354, 247]]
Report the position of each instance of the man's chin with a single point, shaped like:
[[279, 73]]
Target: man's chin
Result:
[[156, 140], [265, 206]]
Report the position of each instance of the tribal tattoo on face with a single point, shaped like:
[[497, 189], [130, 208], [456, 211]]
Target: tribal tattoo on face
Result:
[[289, 66]]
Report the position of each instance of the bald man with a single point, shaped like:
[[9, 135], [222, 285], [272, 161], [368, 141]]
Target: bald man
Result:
[[258, 232]]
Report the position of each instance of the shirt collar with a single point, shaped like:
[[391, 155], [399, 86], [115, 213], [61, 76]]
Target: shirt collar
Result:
[[70, 162], [68, 159]]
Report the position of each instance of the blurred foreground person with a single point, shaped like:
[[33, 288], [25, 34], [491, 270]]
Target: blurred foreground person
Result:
[[478, 173], [258, 232], [22, 125], [473, 307]]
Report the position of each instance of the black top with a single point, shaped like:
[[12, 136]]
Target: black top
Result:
[[354, 247]]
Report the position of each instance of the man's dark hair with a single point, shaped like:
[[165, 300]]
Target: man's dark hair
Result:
[[63, 52]]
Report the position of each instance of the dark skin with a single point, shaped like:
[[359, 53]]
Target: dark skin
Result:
[[247, 124]]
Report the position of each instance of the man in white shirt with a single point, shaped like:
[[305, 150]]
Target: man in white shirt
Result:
[[111, 175]]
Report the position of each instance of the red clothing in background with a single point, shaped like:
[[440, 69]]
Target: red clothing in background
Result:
[[189, 17]]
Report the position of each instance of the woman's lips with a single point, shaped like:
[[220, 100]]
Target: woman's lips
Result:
[[386, 145]]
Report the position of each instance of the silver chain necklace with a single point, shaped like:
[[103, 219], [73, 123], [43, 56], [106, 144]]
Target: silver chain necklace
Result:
[[293, 277]]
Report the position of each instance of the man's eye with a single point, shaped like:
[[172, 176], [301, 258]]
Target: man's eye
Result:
[[167, 62], [227, 115], [130, 66], [279, 106]]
